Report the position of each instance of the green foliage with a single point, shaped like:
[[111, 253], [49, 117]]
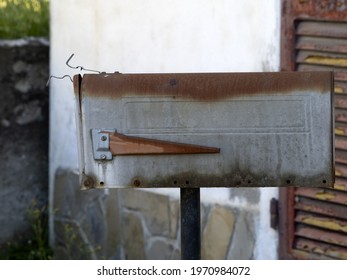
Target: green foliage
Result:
[[24, 18], [75, 248], [37, 246]]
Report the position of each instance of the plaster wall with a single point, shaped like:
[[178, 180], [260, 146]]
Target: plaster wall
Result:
[[140, 36]]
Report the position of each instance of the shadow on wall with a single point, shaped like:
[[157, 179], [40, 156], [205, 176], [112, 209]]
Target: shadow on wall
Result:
[[23, 136]]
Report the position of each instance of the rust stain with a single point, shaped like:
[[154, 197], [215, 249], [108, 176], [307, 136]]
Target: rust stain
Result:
[[340, 76], [77, 80], [77, 83], [341, 102], [233, 178], [204, 86], [341, 144], [342, 117], [324, 60]]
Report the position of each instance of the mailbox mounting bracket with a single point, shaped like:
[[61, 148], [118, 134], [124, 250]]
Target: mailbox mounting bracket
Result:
[[101, 143]]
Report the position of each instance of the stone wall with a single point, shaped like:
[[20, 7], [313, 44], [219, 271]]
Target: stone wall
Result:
[[23, 133], [136, 224]]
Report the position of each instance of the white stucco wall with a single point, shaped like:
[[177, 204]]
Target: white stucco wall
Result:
[[161, 36]]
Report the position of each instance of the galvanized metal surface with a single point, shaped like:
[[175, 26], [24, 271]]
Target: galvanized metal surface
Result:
[[272, 129], [314, 38]]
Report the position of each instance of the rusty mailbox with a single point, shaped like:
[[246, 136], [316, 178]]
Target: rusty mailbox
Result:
[[205, 130]]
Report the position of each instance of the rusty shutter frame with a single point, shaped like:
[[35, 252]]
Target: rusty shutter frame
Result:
[[314, 37]]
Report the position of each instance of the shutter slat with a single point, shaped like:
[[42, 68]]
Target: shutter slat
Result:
[[339, 74], [317, 44], [322, 29], [321, 58], [341, 157], [321, 207], [341, 171], [321, 235], [330, 224], [341, 130], [340, 143], [323, 194], [321, 248], [309, 255], [340, 88], [341, 102], [340, 184], [341, 115]]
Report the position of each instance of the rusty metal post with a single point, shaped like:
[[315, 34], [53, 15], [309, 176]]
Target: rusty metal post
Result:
[[190, 224]]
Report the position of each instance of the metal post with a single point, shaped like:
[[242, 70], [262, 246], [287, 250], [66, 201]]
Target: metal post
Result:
[[190, 224]]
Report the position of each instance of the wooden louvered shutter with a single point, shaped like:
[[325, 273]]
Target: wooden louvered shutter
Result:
[[313, 221]]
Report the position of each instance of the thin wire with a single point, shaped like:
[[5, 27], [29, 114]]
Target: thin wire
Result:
[[60, 78], [81, 68]]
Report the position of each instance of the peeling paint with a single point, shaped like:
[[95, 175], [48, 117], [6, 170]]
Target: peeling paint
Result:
[[340, 131], [325, 196], [336, 61], [330, 252], [339, 187], [328, 224], [338, 89]]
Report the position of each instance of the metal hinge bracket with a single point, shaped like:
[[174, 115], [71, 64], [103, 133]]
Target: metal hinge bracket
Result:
[[101, 143]]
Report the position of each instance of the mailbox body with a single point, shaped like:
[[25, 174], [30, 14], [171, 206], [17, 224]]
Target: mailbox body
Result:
[[266, 129]]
